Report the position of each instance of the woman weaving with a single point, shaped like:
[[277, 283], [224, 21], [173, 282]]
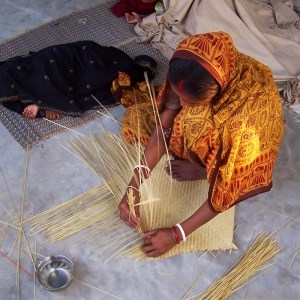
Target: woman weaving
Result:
[[221, 115]]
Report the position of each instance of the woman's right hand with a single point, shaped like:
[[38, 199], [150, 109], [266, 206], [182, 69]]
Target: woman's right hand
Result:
[[133, 18], [126, 215]]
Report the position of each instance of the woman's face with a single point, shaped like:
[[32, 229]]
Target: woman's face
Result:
[[187, 99]]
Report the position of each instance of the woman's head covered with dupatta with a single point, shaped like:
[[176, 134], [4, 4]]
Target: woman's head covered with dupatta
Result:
[[214, 52]]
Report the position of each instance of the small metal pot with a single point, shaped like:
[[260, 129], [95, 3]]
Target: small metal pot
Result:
[[55, 272]]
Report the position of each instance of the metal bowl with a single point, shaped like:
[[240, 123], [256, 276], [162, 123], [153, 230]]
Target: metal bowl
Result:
[[55, 272]]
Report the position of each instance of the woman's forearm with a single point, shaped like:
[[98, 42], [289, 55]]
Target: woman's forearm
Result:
[[154, 150], [199, 218], [157, 144]]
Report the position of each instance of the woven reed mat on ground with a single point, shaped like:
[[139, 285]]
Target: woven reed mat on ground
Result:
[[97, 24], [176, 201]]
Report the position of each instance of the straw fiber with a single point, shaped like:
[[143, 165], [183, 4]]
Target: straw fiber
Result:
[[164, 202]]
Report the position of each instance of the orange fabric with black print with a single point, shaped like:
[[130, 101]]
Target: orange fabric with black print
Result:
[[237, 136], [138, 120]]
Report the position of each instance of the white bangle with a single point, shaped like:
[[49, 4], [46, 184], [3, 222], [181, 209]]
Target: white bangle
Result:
[[142, 167], [181, 231], [132, 187]]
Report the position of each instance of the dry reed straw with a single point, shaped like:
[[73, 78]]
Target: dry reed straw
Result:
[[9, 225], [97, 289], [92, 213], [263, 249], [294, 256], [120, 251], [34, 276], [73, 203], [10, 197], [110, 157], [20, 217], [200, 276], [25, 251], [115, 241], [65, 127], [4, 234], [107, 114], [276, 212]]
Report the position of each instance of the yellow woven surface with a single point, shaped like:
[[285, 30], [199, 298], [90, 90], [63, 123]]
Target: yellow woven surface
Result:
[[174, 202]]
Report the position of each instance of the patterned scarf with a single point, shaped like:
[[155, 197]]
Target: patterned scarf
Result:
[[237, 136]]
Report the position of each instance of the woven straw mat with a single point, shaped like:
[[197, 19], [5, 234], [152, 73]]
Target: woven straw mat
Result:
[[175, 202]]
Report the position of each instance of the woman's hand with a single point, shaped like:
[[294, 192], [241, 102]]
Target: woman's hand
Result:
[[133, 18], [126, 215], [158, 242]]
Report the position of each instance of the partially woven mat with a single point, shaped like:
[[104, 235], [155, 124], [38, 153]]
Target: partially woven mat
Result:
[[177, 201], [97, 24], [164, 202]]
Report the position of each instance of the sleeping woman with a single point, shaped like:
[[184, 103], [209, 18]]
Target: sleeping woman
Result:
[[65, 79]]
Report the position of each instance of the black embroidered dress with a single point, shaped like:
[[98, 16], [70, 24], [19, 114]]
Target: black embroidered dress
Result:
[[66, 78]]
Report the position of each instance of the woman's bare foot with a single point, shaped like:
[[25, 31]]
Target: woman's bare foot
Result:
[[183, 170], [30, 111], [52, 115]]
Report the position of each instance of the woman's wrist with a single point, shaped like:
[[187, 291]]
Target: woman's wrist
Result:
[[142, 168], [181, 232], [178, 233], [175, 235], [131, 187], [141, 172]]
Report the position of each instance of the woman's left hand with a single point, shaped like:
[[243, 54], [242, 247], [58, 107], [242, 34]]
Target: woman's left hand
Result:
[[158, 242], [133, 18]]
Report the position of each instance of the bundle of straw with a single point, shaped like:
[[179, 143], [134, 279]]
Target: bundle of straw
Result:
[[263, 249]]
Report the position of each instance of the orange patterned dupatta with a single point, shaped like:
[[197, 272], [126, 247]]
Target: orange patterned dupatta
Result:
[[236, 137]]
